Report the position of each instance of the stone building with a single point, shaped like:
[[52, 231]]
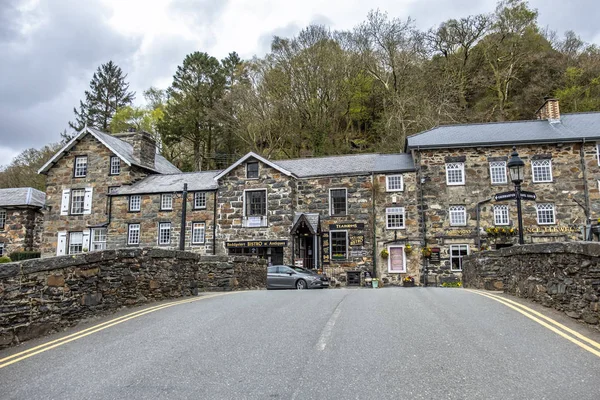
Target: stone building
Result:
[[20, 219], [81, 175], [461, 167]]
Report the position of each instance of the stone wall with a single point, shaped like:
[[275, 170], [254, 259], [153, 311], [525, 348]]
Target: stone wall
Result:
[[151, 215], [22, 230], [46, 295], [566, 192], [98, 177], [565, 276], [280, 191]]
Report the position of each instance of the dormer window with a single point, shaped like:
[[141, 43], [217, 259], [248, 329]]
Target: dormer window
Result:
[[252, 170]]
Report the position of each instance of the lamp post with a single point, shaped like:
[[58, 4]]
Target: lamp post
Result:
[[516, 166]]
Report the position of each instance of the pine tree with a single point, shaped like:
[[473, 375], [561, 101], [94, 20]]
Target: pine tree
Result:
[[108, 92]]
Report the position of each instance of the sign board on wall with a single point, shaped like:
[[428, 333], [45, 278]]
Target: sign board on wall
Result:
[[256, 243], [357, 240], [347, 225], [325, 247], [435, 256]]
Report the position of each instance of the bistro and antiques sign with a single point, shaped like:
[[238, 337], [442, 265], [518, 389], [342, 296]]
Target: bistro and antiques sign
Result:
[[347, 225], [256, 243]]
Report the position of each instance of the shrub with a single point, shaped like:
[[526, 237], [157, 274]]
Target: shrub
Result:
[[5, 259], [24, 255]]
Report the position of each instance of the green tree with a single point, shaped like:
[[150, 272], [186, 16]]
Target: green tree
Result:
[[22, 171], [190, 114], [108, 92]]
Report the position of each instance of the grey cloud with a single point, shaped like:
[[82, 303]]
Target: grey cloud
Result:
[[9, 16], [72, 40], [264, 41], [580, 16]]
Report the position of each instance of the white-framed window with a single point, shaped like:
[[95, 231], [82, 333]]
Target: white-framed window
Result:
[[394, 217], [75, 242], [455, 173], [1, 249], [394, 183], [457, 252], [338, 204], [80, 167], [77, 201], [115, 165], [252, 170], [541, 170], [255, 208], [498, 172], [338, 245], [166, 201], [199, 200], [396, 259], [164, 233], [545, 214], [598, 152], [458, 215], [98, 239], [501, 215], [2, 219], [198, 232], [133, 234], [135, 202]]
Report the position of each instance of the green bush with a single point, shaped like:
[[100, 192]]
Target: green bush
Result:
[[24, 255], [5, 259]]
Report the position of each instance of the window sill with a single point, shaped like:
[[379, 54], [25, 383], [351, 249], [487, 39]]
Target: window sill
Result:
[[198, 208], [537, 182], [396, 272], [165, 209], [395, 229], [394, 190]]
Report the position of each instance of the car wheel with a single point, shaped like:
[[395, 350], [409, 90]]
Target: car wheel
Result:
[[300, 284]]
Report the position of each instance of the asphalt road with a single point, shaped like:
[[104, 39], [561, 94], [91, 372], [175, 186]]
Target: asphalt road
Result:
[[391, 343]]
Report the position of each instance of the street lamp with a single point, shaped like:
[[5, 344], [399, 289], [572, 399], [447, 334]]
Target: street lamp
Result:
[[516, 166]]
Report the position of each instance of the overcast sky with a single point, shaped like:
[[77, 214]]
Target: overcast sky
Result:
[[50, 48]]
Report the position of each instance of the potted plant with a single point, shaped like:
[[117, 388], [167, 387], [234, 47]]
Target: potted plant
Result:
[[408, 281], [385, 253], [408, 248], [426, 251]]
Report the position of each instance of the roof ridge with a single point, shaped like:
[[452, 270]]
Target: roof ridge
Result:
[[186, 173], [340, 155]]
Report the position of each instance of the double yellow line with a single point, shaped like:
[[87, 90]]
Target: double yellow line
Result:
[[4, 362], [556, 327]]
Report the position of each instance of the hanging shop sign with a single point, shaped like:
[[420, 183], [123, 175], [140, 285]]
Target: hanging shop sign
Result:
[[357, 240], [347, 225], [325, 247], [256, 243]]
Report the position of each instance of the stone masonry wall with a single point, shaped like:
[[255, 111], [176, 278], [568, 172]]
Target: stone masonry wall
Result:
[[565, 192], [47, 295], [565, 276], [151, 215], [280, 208], [22, 230], [60, 177]]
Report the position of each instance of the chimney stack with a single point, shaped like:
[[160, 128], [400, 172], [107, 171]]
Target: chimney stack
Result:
[[144, 146], [549, 110]]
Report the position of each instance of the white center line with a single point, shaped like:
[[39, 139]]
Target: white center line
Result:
[[328, 329]]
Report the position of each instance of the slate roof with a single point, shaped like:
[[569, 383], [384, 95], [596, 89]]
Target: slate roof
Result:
[[311, 218], [197, 181], [22, 197], [570, 128], [348, 164], [119, 147]]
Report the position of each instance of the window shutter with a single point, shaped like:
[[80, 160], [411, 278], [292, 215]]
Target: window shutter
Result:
[[64, 206], [87, 201], [61, 246], [86, 240]]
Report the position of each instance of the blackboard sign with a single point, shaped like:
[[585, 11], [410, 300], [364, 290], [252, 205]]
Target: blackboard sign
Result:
[[325, 247], [435, 256]]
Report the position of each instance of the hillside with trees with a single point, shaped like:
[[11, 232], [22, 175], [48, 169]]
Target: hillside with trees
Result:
[[327, 92]]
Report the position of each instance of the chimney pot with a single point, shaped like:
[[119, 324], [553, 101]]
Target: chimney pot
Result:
[[550, 110]]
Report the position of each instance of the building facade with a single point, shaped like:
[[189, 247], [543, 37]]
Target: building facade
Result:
[[21, 217], [393, 215]]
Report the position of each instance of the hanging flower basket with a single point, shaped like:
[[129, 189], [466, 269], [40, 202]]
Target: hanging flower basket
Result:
[[408, 249], [426, 251], [384, 253]]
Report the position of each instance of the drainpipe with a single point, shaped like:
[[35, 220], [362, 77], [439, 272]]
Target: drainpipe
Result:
[[421, 181], [183, 217], [214, 247], [374, 226], [588, 220], [478, 219]]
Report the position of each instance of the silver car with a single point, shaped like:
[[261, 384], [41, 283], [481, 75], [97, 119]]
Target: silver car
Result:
[[284, 277]]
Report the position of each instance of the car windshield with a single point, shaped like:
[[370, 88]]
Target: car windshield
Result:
[[303, 270]]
